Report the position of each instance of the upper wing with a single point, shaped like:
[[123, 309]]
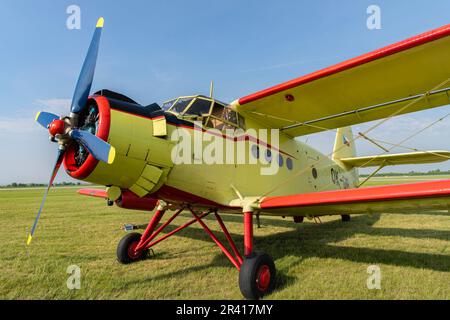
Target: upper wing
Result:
[[397, 159], [408, 76], [433, 195]]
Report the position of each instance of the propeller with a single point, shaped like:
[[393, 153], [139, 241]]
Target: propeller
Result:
[[45, 118], [65, 129], [99, 149], [84, 83], [59, 159]]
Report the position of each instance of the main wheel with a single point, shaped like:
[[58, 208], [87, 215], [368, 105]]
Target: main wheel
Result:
[[257, 275], [345, 217], [126, 249]]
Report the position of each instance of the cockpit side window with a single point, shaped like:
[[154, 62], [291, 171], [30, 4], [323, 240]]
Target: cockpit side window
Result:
[[215, 119], [199, 107], [230, 116], [222, 118], [217, 110], [167, 105], [181, 104]]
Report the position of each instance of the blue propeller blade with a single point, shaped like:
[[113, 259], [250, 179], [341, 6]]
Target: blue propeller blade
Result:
[[45, 118], [59, 159], [99, 149], [84, 83]]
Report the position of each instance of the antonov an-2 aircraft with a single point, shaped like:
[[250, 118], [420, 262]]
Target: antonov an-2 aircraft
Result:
[[108, 139]]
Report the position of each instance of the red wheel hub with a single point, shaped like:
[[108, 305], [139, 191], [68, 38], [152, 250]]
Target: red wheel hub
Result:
[[57, 127], [132, 253], [263, 278]]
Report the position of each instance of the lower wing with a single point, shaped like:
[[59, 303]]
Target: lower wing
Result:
[[432, 195], [94, 193]]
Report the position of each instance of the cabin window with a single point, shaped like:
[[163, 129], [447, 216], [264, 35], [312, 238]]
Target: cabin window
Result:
[[314, 173], [268, 156], [280, 160], [255, 151], [289, 163]]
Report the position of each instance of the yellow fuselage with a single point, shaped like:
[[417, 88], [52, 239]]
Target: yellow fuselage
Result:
[[145, 166]]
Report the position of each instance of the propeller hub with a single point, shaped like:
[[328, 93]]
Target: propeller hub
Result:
[[57, 127]]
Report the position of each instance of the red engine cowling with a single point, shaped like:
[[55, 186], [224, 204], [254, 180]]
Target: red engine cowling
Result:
[[129, 200], [80, 172]]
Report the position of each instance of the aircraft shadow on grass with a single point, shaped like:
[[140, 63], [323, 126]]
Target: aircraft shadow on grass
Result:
[[317, 240]]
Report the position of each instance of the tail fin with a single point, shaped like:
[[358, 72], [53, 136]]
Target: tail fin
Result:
[[344, 146]]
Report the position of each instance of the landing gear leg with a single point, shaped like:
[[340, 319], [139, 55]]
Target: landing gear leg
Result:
[[257, 274]]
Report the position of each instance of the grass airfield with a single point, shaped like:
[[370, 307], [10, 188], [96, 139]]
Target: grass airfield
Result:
[[314, 261]]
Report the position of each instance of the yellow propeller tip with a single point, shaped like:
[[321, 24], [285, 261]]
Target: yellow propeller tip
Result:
[[111, 155], [30, 237], [100, 22], [37, 115]]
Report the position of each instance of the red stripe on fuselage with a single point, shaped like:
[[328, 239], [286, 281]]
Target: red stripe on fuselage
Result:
[[177, 195], [235, 139]]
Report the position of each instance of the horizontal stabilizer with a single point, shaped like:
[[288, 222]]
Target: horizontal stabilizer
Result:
[[397, 159]]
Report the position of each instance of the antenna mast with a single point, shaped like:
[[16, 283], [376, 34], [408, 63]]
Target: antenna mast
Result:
[[211, 89]]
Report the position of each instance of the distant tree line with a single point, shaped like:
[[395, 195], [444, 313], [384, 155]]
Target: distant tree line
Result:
[[436, 172], [34, 185]]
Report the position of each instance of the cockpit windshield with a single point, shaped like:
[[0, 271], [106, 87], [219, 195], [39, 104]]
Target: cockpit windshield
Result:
[[200, 107], [212, 113]]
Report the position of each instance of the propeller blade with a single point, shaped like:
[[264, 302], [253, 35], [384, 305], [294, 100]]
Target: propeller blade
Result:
[[84, 83], [59, 159], [45, 118], [99, 149]]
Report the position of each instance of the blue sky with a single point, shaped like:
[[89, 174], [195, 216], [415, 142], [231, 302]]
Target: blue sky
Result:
[[155, 50]]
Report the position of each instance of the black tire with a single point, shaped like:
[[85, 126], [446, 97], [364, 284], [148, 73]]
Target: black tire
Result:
[[299, 219], [257, 275], [125, 246], [345, 218]]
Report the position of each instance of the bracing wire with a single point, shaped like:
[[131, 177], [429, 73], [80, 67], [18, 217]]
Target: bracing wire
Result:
[[353, 139]]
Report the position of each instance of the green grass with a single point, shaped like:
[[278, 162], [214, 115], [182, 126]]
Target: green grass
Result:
[[378, 181], [314, 261]]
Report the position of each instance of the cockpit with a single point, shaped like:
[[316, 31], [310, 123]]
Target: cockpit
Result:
[[212, 113]]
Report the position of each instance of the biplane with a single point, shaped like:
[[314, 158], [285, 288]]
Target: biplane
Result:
[[109, 139]]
